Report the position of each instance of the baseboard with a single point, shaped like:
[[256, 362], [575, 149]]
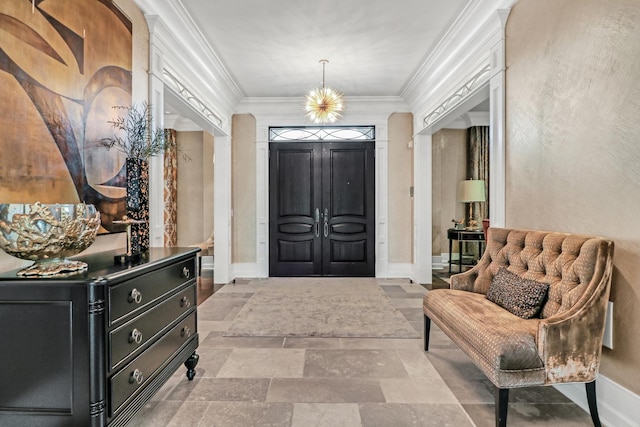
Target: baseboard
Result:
[[206, 262], [399, 271], [437, 262], [617, 406], [243, 270]]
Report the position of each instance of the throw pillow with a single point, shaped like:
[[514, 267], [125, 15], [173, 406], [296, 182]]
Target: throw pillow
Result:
[[522, 297]]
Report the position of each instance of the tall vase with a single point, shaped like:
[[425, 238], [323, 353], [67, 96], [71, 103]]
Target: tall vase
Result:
[[138, 202]]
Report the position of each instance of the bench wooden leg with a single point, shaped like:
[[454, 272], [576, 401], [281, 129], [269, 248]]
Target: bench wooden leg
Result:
[[427, 328], [502, 404], [591, 399]]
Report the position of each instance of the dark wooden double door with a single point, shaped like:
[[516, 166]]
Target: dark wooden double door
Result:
[[322, 209]]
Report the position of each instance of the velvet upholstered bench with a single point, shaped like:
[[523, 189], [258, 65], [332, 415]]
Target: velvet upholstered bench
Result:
[[531, 312]]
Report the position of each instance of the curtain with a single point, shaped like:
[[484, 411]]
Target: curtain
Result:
[[170, 189], [478, 167]]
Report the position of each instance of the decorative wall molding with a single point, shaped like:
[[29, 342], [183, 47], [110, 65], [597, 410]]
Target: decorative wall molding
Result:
[[174, 83], [459, 95], [189, 58]]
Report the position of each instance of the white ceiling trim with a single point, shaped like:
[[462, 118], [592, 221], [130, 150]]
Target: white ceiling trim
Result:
[[183, 51], [463, 52]]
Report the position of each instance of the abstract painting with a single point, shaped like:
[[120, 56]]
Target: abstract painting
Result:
[[64, 65]]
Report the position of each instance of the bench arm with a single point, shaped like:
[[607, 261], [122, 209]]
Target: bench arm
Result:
[[570, 344]]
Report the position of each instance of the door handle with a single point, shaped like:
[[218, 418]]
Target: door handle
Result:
[[326, 222], [317, 222]]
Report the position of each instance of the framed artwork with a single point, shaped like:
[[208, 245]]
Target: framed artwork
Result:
[[64, 65]]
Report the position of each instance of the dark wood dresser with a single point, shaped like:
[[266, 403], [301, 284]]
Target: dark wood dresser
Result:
[[90, 349]]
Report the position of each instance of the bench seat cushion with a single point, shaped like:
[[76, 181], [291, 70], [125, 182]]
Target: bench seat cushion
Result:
[[503, 345]]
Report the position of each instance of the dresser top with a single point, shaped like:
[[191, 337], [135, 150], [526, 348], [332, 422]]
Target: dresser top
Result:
[[102, 264]]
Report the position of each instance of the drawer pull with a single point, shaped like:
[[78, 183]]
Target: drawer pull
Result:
[[185, 302], [136, 377], [135, 336], [186, 273], [135, 296], [186, 332]]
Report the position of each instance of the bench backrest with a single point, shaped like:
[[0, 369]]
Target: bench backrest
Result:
[[571, 264]]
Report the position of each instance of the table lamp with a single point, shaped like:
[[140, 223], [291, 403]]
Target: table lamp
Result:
[[471, 191]]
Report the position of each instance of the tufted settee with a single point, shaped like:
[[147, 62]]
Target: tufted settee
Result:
[[561, 344]]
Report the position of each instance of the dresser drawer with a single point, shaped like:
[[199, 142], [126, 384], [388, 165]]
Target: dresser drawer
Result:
[[144, 328], [133, 295], [143, 368]]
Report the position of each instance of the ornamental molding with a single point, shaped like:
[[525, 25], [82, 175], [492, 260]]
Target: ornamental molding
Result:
[[179, 88], [459, 95]]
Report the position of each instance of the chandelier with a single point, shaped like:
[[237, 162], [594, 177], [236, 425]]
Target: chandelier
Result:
[[324, 105]]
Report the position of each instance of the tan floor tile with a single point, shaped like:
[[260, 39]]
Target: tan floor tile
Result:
[[325, 415], [211, 360], [381, 343], [219, 341], [407, 302], [230, 389], [416, 391], [189, 414], [312, 342], [346, 363], [417, 364], [263, 363], [411, 415], [325, 390], [241, 414], [414, 288], [213, 325], [155, 414]]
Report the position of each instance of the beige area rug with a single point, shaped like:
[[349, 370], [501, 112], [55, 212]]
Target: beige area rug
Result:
[[326, 307]]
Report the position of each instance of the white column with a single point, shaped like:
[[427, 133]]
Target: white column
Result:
[[222, 210], [382, 201], [156, 163], [262, 199], [422, 209], [497, 150]]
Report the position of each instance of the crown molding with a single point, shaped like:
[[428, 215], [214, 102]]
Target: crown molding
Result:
[[188, 56], [462, 52], [290, 110]]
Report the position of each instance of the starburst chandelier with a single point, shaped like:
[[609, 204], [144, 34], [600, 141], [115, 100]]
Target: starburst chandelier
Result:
[[324, 105]]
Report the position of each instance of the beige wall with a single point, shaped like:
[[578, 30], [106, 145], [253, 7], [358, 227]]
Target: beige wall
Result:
[[195, 187], [243, 154], [400, 181], [207, 185], [573, 155], [449, 159]]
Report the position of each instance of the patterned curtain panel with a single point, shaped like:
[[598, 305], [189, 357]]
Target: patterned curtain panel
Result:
[[171, 190], [478, 166]]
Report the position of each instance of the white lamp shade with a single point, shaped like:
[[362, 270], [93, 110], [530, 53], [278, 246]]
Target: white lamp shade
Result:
[[471, 190]]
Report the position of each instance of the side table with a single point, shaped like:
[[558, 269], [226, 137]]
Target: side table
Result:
[[475, 236]]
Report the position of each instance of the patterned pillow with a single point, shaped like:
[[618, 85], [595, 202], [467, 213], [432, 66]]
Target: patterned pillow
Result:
[[522, 297]]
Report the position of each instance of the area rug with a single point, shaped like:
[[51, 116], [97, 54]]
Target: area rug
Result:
[[327, 307]]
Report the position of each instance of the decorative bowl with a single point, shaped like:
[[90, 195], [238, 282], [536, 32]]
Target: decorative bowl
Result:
[[48, 234]]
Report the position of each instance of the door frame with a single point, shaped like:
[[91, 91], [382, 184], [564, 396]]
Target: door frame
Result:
[[379, 120], [320, 179]]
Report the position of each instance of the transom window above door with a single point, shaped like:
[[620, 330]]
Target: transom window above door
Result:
[[324, 133]]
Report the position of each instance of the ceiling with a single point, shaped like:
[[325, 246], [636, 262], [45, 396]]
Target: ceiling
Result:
[[272, 48]]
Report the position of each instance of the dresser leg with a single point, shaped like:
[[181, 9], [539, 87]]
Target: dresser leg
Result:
[[191, 363]]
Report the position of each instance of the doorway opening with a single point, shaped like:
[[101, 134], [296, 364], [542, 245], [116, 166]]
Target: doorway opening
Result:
[[322, 201]]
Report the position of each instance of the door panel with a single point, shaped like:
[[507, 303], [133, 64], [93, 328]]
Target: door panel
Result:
[[294, 247], [322, 209], [349, 192]]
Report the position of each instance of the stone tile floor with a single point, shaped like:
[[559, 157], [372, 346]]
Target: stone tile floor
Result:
[[245, 381]]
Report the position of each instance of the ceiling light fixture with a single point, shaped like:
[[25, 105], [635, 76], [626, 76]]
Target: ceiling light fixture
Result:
[[324, 105]]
